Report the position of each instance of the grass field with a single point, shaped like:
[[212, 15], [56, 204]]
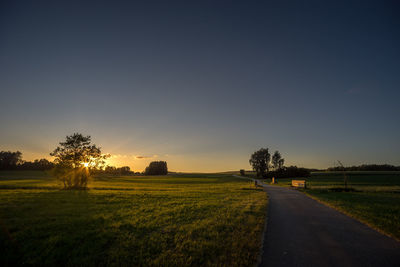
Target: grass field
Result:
[[362, 181], [375, 202], [175, 220]]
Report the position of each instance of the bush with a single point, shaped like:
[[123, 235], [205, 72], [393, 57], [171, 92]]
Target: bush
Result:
[[72, 178], [242, 172], [157, 168], [125, 170], [287, 172]]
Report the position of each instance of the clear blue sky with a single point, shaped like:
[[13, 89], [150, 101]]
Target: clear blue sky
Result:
[[203, 84]]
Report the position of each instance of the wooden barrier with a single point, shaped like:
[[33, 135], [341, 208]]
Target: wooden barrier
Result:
[[299, 183]]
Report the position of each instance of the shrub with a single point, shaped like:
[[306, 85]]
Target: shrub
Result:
[[157, 168], [286, 172]]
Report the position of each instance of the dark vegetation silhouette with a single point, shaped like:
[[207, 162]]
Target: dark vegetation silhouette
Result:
[[366, 167], [277, 161], [157, 168], [36, 165], [75, 159], [261, 162], [288, 172], [13, 161], [10, 160], [124, 170], [242, 172]]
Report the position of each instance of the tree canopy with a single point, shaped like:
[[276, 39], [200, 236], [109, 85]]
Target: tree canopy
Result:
[[10, 160], [262, 164], [75, 158], [259, 160], [277, 161], [157, 168]]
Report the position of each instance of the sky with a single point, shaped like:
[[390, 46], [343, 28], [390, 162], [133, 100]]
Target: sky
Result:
[[203, 84]]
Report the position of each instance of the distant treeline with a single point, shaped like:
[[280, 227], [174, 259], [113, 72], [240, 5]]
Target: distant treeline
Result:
[[286, 172], [13, 161], [367, 167], [125, 170]]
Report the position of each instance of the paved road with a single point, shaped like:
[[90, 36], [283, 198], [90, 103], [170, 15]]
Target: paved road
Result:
[[303, 232]]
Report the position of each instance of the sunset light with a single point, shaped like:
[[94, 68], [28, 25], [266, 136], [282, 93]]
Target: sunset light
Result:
[[200, 133]]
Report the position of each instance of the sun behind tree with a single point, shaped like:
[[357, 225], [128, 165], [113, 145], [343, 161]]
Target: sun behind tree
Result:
[[75, 159]]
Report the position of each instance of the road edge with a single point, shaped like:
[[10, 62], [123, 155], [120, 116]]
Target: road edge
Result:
[[373, 227], [261, 252]]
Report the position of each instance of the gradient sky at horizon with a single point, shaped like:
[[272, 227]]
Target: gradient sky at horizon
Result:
[[203, 84]]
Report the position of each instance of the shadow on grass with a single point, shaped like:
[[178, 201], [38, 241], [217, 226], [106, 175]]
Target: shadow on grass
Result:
[[53, 228]]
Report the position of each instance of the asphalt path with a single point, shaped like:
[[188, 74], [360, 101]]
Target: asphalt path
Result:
[[303, 232]]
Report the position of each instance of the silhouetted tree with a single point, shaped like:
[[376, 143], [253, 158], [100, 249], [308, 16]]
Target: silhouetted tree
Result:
[[124, 170], [242, 172], [259, 160], [10, 160], [157, 168], [277, 160], [110, 169], [75, 158]]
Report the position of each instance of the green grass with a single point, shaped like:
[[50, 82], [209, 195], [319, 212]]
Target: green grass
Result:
[[362, 181], [380, 210], [176, 220], [376, 201]]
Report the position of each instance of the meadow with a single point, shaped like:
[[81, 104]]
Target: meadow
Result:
[[174, 220], [374, 201]]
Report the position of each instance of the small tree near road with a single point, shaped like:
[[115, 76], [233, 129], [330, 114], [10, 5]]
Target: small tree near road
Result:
[[260, 160], [75, 158]]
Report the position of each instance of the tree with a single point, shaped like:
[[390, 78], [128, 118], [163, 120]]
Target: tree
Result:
[[157, 168], [242, 172], [281, 162], [259, 160], [277, 161], [124, 170], [74, 160], [10, 160]]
